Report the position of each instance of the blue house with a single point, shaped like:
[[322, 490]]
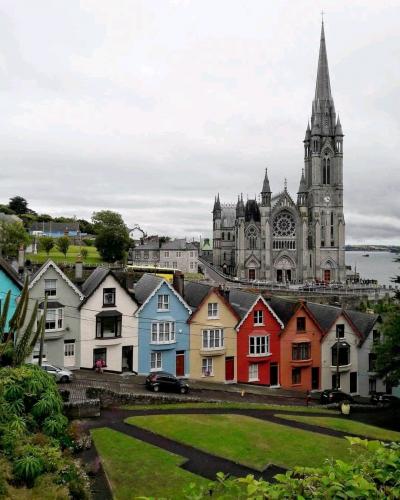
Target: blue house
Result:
[[9, 281], [164, 341]]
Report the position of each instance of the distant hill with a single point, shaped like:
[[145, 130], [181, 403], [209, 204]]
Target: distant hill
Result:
[[373, 248]]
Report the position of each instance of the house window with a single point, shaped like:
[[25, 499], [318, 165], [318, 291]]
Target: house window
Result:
[[109, 297], [156, 360], [301, 324], [108, 327], [212, 309], [69, 348], [259, 345], [179, 254], [50, 288], [166, 264], [213, 339], [175, 265], [166, 254], [258, 317], [344, 354], [301, 351], [54, 319], [339, 331], [372, 385], [163, 332], [296, 376], [137, 254], [192, 265], [336, 381], [253, 372], [163, 302], [146, 254], [376, 336], [100, 353], [371, 362], [207, 367]]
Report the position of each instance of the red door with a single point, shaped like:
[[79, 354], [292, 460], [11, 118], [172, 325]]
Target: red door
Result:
[[327, 275], [229, 369], [180, 364]]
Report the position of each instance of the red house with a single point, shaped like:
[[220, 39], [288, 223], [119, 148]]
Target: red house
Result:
[[258, 341]]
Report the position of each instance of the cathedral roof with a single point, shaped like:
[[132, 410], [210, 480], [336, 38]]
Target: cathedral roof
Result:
[[323, 86], [266, 187], [338, 128], [252, 212]]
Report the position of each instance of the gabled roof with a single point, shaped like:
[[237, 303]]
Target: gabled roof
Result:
[[49, 263], [325, 314], [241, 301], [364, 322], [194, 293], [284, 308], [147, 287], [10, 272], [94, 281], [221, 296], [258, 299]]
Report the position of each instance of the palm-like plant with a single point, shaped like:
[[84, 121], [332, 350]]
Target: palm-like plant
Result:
[[28, 468], [17, 341]]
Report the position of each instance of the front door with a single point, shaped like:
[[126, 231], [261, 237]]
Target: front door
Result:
[[229, 369], [69, 352], [288, 275], [353, 382], [279, 275], [327, 275], [315, 378], [273, 374], [127, 358], [252, 274], [180, 364]]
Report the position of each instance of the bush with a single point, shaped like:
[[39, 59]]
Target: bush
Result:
[[65, 394], [28, 468], [92, 392], [88, 242]]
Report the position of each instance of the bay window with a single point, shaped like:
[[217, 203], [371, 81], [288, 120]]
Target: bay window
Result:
[[213, 339], [54, 319], [259, 345], [108, 326], [301, 351], [163, 332]]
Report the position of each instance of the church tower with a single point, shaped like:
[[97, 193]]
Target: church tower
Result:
[[323, 159]]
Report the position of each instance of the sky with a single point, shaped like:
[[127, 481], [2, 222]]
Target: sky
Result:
[[151, 107]]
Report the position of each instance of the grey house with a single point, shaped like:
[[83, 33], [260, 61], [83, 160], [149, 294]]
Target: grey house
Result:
[[62, 331]]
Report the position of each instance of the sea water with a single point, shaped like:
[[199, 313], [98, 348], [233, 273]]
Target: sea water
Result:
[[379, 266]]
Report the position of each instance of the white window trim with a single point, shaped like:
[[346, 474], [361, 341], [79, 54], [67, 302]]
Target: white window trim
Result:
[[48, 289], [258, 377], [213, 316], [210, 373], [156, 355], [207, 333], [262, 313], [59, 314], [165, 304], [267, 345], [172, 338]]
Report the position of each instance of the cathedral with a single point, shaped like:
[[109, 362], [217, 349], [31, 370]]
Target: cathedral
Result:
[[278, 239]]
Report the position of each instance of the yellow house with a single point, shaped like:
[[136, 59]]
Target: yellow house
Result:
[[213, 339]]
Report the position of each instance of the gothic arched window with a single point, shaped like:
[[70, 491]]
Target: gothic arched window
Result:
[[252, 237], [326, 170], [284, 225]]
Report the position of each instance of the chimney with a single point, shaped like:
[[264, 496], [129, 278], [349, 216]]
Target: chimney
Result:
[[225, 292], [179, 282], [79, 269], [21, 259]]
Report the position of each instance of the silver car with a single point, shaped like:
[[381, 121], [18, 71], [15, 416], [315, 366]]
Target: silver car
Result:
[[61, 375]]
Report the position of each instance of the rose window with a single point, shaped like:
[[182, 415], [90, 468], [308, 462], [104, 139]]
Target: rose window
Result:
[[284, 226]]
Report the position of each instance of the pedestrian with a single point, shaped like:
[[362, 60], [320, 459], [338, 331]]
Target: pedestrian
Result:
[[308, 397], [99, 366]]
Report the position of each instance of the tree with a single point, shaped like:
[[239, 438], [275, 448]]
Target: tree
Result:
[[388, 351], [63, 245], [85, 226], [112, 238], [84, 253], [46, 243], [5, 209], [18, 204], [12, 236], [396, 280]]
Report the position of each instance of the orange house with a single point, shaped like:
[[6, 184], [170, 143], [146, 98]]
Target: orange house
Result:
[[301, 351]]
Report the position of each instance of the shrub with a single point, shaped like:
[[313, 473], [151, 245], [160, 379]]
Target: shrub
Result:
[[28, 468], [65, 394], [92, 392], [88, 242], [84, 253]]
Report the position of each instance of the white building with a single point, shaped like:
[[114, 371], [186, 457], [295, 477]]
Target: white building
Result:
[[109, 328]]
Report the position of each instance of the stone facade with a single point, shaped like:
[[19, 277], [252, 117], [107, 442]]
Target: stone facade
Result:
[[275, 238]]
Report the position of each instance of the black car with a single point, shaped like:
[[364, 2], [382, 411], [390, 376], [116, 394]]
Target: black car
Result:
[[384, 399], [162, 381], [334, 396]]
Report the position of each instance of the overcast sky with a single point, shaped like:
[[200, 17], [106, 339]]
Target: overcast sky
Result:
[[151, 107]]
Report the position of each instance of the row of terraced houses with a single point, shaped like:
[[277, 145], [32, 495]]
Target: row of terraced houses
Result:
[[198, 331]]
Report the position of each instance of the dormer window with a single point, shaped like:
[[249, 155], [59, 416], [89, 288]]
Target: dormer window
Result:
[[301, 324], [163, 302], [50, 288], [340, 331], [212, 310], [258, 317], [108, 297]]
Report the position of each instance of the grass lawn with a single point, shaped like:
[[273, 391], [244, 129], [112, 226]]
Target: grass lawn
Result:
[[93, 256], [237, 406], [351, 426], [137, 469], [247, 440]]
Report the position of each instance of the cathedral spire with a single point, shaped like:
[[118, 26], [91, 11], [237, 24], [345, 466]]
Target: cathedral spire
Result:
[[266, 187], [323, 86]]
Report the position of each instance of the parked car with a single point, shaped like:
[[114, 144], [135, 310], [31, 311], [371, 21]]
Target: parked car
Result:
[[61, 375], [334, 396], [384, 399], [163, 381]]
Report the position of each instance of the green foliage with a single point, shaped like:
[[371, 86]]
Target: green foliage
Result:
[[84, 253], [46, 243], [5, 209], [85, 226], [88, 242], [28, 468], [112, 238], [12, 236], [18, 205], [388, 351], [373, 473], [63, 244]]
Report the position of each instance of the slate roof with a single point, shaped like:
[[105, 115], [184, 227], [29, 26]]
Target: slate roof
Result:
[[94, 280], [145, 286], [284, 308], [364, 322], [194, 293], [325, 314], [10, 272], [149, 245], [54, 227], [241, 301]]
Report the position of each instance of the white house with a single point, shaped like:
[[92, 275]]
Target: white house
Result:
[[109, 328]]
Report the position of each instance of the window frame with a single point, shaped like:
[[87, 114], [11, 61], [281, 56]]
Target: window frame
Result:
[[206, 363], [156, 332], [340, 331], [212, 336], [256, 314], [260, 343], [157, 361], [250, 377], [48, 291], [163, 301], [296, 376], [299, 349], [58, 319], [299, 320], [112, 293], [212, 310], [99, 334]]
